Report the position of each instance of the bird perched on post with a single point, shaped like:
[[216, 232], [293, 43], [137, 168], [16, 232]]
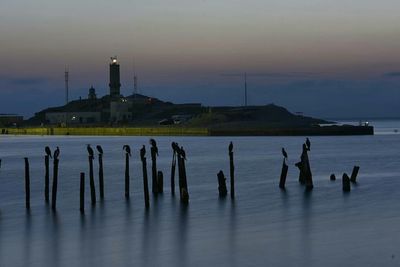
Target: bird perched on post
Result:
[[127, 149], [90, 150], [143, 153], [285, 155], [305, 148], [230, 147], [99, 149], [56, 153], [308, 143], [175, 147], [153, 143], [48, 151], [182, 153]]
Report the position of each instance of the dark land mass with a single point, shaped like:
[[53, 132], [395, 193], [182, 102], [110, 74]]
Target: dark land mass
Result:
[[151, 112]]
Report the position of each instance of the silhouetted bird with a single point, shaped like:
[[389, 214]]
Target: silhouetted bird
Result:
[[153, 143], [175, 147], [56, 153], [48, 151], [230, 147], [305, 148], [127, 149], [90, 151], [308, 143], [284, 153], [99, 149], [182, 152], [142, 152]]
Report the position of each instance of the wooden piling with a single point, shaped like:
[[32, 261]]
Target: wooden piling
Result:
[[46, 178], [145, 183], [126, 175], [173, 165], [333, 177], [91, 181], [27, 185], [232, 174], [101, 176], [346, 182], [160, 182], [284, 172], [82, 192], [154, 170], [222, 184], [354, 174], [55, 184], [183, 188]]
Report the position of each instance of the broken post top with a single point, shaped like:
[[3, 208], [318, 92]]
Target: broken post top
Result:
[[230, 147]]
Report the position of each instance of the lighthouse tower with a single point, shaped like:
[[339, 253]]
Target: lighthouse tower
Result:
[[115, 83]]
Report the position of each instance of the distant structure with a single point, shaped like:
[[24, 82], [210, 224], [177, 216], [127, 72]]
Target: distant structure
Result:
[[92, 93], [115, 83]]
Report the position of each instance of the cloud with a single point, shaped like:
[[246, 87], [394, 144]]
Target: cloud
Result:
[[393, 74], [273, 74], [17, 81]]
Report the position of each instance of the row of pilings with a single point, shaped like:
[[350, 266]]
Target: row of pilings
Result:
[[157, 177]]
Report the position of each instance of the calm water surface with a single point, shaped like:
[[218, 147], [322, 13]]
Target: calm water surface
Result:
[[262, 227]]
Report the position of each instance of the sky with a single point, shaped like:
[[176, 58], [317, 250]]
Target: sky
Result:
[[325, 58]]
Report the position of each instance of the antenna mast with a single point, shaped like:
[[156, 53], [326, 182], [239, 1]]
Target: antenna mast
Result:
[[135, 81], [245, 89], [66, 73]]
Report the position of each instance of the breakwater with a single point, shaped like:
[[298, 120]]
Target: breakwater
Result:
[[188, 131]]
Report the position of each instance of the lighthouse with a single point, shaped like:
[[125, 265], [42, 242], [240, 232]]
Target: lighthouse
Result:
[[115, 83]]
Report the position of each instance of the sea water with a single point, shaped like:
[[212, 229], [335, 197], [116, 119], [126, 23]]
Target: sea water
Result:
[[262, 226]]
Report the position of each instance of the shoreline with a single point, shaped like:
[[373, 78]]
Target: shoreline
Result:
[[187, 131]]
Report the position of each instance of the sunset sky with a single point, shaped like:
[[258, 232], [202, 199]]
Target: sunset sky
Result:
[[323, 57]]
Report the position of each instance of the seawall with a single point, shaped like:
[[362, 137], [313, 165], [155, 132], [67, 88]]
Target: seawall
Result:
[[185, 131]]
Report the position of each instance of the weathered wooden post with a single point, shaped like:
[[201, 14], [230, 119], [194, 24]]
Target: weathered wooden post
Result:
[[232, 170], [47, 174], [55, 179], [222, 184], [175, 148], [27, 185], [101, 174], [160, 182], [127, 156], [309, 181], [82, 192], [284, 172], [305, 176], [354, 174], [154, 154], [183, 188], [333, 177], [145, 182], [91, 175], [346, 182]]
